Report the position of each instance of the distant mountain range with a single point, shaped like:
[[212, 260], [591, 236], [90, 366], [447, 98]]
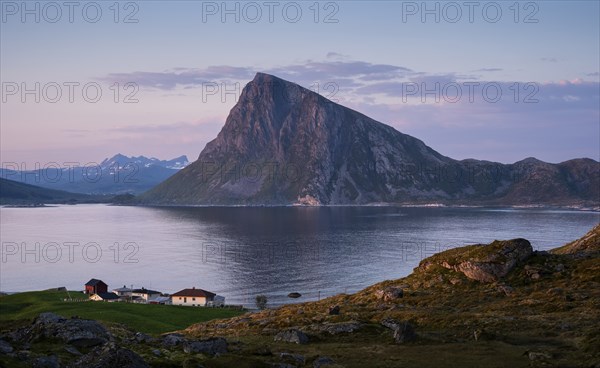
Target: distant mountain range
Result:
[[116, 175], [283, 144]]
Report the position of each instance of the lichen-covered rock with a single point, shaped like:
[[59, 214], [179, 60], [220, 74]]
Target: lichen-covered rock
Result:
[[404, 331], [173, 339], [211, 346], [484, 263], [5, 347], [109, 356], [74, 331], [293, 336], [390, 293]]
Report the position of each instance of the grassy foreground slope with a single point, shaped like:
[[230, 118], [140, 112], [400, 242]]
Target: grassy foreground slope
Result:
[[21, 308]]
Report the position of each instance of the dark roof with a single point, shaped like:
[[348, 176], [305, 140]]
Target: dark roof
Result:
[[194, 292], [108, 296], [145, 291], [94, 282]]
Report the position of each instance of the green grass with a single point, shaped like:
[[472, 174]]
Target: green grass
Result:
[[147, 318]]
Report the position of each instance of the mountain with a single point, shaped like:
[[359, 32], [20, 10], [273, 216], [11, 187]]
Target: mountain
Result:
[[283, 144], [116, 175], [15, 193]]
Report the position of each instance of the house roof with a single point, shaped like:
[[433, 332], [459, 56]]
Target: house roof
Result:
[[124, 288], [145, 291], [194, 292], [94, 282], [108, 296]]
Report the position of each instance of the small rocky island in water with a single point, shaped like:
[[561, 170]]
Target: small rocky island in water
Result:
[[496, 305]]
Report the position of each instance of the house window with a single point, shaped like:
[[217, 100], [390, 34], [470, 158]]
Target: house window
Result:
[[185, 300], [193, 298]]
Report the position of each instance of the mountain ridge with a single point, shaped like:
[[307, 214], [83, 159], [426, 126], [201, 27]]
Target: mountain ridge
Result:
[[283, 144]]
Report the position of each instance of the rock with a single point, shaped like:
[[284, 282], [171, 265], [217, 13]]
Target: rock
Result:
[[535, 276], [156, 352], [403, 331], [46, 362], [73, 350], [143, 338], [5, 347], [390, 293], [322, 361], [109, 356], [300, 311], [173, 339], [211, 346], [334, 311], [293, 336], [293, 358], [484, 263], [533, 355], [559, 267], [342, 327], [294, 295], [23, 355], [74, 331]]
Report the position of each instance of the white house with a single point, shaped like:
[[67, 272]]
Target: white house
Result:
[[195, 298], [124, 291], [104, 297], [144, 294]]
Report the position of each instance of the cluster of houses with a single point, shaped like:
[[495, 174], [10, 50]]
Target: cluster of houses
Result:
[[98, 291]]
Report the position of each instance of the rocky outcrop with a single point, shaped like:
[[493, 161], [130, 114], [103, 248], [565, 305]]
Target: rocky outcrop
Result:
[[73, 331], [110, 355], [586, 245], [211, 346], [404, 331], [485, 263], [292, 335], [284, 144]]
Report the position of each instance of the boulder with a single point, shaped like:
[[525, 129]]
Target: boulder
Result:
[[173, 339], [322, 361], [46, 362], [292, 336], [389, 293], [484, 263], [404, 331], [334, 310], [73, 331], [292, 358], [5, 347], [109, 356], [342, 327], [211, 346]]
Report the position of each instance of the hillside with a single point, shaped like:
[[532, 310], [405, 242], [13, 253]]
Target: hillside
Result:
[[15, 193]]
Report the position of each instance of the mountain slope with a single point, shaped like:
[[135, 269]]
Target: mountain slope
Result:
[[284, 144], [12, 192]]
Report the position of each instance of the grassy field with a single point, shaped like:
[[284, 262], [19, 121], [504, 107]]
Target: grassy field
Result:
[[151, 319]]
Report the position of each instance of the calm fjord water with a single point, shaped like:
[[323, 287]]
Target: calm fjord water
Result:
[[241, 252]]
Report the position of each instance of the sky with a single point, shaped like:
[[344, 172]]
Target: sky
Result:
[[498, 81]]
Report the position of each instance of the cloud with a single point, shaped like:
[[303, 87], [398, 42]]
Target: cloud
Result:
[[489, 70], [549, 59]]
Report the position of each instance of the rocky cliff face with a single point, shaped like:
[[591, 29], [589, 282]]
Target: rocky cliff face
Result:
[[284, 144]]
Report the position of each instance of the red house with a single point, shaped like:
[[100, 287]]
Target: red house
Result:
[[95, 286]]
